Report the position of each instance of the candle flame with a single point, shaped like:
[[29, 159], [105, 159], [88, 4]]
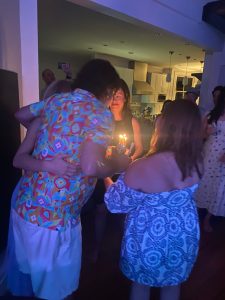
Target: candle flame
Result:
[[122, 139]]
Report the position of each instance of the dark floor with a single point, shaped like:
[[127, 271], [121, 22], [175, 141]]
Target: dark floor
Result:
[[103, 280]]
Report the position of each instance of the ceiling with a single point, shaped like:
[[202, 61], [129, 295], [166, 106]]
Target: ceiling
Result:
[[66, 27]]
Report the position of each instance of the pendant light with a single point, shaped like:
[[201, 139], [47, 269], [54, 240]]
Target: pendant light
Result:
[[185, 79], [202, 65], [169, 74]]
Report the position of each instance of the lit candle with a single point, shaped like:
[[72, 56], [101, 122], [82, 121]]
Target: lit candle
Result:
[[122, 140]]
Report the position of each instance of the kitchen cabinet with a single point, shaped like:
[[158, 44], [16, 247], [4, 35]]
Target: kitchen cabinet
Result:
[[127, 75], [179, 88], [160, 84]]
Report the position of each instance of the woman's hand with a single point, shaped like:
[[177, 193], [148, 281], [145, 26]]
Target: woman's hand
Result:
[[58, 166], [108, 182], [121, 160]]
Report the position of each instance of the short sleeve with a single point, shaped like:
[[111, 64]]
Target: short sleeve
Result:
[[119, 198], [37, 108], [99, 126]]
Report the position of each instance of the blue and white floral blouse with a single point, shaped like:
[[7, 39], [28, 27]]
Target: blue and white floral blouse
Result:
[[161, 235]]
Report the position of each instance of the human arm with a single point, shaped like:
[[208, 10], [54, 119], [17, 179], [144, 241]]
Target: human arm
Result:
[[24, 160], [208, 129], [27, 114], [24, 116], [137, 139], [66, 68], [94, 162], [108, 182], [119, 198], [97, 133]]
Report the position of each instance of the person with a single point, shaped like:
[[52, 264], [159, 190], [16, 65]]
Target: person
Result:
[[192, 94], [210, 194], [48, 77], [125, 125], [165, 105], [56, 87], [161, 236], [46, 215], [216, 92], [17, 282]]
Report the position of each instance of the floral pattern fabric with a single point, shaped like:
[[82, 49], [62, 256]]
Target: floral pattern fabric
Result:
[[67, 121], [161, 238]]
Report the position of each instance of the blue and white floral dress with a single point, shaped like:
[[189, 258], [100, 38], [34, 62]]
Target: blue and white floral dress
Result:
[[161, 237]]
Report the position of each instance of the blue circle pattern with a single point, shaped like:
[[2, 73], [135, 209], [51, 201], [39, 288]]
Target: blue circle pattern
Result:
[[161, 238]]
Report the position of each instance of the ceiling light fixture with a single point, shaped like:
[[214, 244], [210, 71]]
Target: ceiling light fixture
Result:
[[185, 79], [168, 76]]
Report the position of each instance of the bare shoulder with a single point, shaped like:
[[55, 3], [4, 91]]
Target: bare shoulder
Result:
[[135, 122], [143, 170], [145, 164], [157, 173]]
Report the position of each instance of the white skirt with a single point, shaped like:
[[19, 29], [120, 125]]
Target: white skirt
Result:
[[51, 258]]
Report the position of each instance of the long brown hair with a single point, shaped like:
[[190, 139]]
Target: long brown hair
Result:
[[126, 108], [180, 131]]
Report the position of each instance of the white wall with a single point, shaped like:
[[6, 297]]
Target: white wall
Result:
[[114, 60], [10, 35], [50, 60], [180, 17], [29, 51], [19, 45]]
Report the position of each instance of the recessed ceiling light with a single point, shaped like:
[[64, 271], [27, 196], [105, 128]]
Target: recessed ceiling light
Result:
[[157, 33]]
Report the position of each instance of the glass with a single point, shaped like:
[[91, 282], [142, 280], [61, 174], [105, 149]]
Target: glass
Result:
[[180, 86]]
